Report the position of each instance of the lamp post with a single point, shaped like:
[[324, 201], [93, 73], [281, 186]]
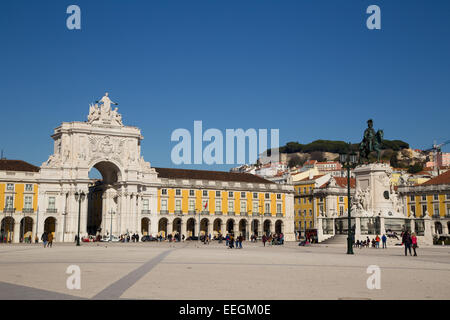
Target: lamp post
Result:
[[111, 212], [348, 161], [79, 196]]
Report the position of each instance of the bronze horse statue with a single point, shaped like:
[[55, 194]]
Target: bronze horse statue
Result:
[[369, 145]]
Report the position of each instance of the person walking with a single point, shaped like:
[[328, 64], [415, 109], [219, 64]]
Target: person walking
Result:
[[44, 238], [406, 240], [264, 239], [50, 240], [240, 241], [231, 242], [377, 240], [384, 239], [414, 243]]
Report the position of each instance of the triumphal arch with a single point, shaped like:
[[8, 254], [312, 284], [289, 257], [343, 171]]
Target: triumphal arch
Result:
[[113, 202]]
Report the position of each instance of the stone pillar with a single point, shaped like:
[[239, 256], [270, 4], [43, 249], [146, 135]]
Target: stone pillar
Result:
[[444, 227], [16, 230], [412, 224], [319, 229], [429, 228], [223, 228], [382, 226], [183, 229], [169, 228], [357, 228], [272, 226]]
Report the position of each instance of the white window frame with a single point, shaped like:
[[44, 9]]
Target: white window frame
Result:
[[231, 206], [9, 202], [178, 205], [10, 187], [28, 204], [163, 204], [28, 187], [243, 206], [191, 205], [218, 205], [255, 206], [52, 204], [145, 204]]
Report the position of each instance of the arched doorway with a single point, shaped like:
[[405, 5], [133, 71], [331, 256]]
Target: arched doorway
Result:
[[104, 177], [438, 227], [176, 226], [448, 227], [50, 226], [255, 227], [145, 226], [162, 227], [278, 227], [243, 228], [230, 226], [7, 229], [266, 229], [217, 227], [26, 229], [204, 223], [190, 227]]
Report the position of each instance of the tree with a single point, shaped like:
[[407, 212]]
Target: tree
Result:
[[317, 155], [393, 160], [295, 161], [417, 167]]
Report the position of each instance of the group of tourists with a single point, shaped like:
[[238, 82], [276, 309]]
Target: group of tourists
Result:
[[234, 242], [374, 243], [129, 238], [273, 239], [47, 239], [409, 240]]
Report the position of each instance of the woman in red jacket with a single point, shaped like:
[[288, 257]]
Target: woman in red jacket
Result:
[[414, 242]]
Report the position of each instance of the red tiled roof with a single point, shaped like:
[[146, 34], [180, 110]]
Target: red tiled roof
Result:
[[440, 179], [313, 178], [341, 182], [17, 165], [209, 175]]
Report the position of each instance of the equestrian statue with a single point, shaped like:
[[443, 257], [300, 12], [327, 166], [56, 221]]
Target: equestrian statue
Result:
[[371, 142]]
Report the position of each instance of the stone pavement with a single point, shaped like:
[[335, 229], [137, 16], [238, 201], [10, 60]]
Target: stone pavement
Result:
[[195, 271]]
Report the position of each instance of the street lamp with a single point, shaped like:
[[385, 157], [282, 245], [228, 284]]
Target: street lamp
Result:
[[349, 160], [79, 196], [111, 212]]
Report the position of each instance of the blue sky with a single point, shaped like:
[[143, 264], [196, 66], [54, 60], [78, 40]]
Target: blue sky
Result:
[[309, 68]]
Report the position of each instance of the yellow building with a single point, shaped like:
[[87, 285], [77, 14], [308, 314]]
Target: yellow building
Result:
[[18, 199], [304, 210], [431, 198], [221, 202]]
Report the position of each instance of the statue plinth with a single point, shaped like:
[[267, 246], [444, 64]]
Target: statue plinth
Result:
[[375, 195]]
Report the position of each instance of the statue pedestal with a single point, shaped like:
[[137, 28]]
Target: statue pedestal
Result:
[[377, 208]]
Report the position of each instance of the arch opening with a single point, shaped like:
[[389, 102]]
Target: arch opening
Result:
[[104, 177]]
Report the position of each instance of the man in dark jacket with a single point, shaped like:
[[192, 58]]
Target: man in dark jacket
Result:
[[406, 239], [44, 239]]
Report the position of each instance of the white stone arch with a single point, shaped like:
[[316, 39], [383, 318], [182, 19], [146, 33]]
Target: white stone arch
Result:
[[217, 226], [103, 164]]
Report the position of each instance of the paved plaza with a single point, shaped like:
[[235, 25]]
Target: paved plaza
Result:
[[191, 270]]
